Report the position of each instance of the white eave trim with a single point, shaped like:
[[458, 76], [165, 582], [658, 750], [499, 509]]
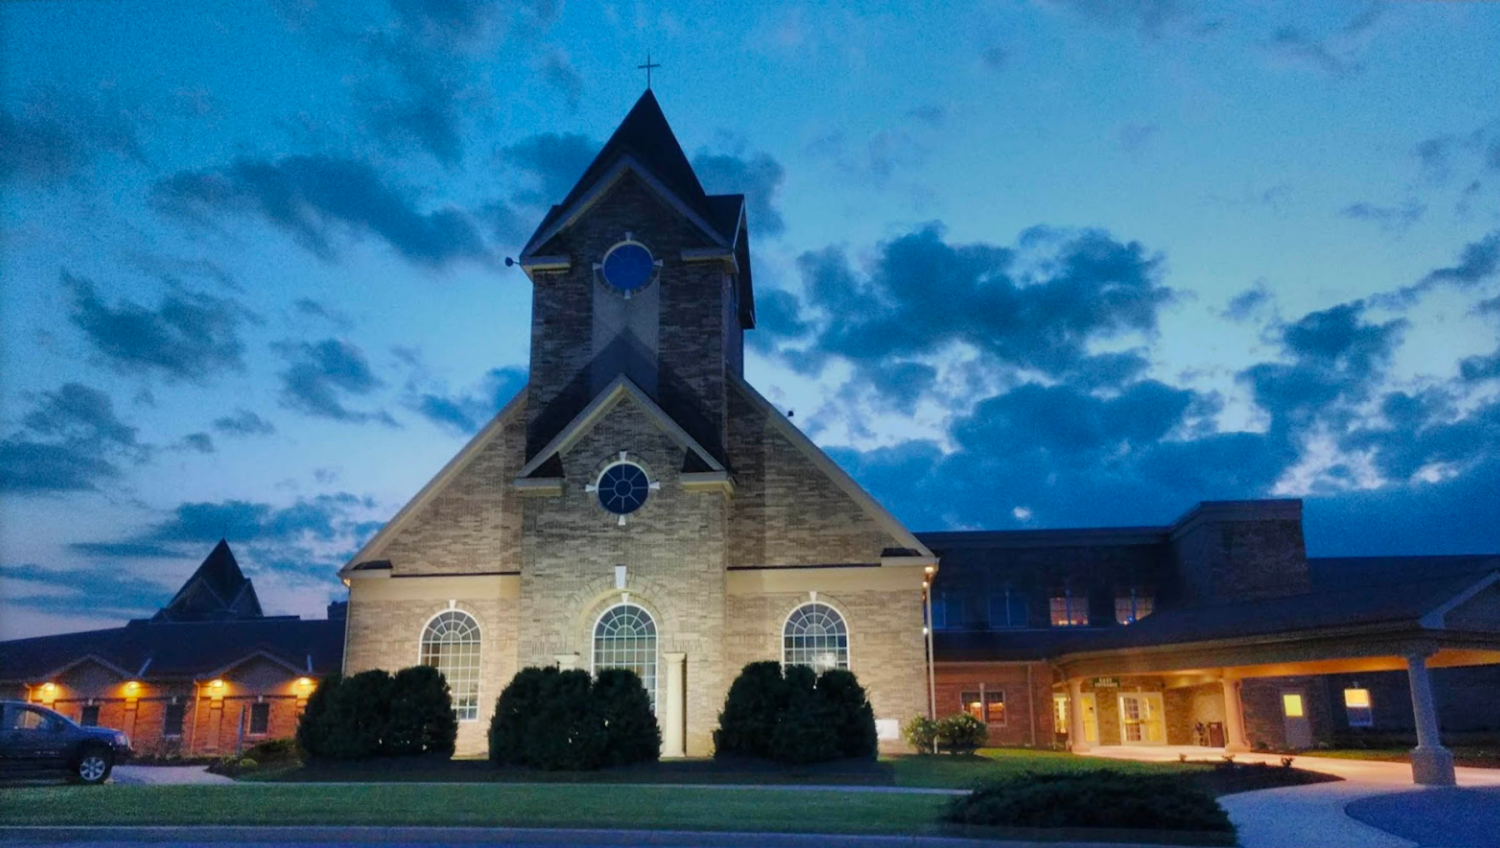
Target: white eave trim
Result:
[[708, 481], [458, 463], [839, 476], [538, 486], [620, 388], [601, 187], [1437, 619], [909, 561]]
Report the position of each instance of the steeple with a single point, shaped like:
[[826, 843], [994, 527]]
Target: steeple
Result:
[[217, 591]]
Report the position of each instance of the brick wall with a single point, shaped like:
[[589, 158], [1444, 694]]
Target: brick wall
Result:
[[1235, 552], [1027, 698]]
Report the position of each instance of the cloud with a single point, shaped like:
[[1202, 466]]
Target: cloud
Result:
[[200, 442], [70, 442], [310, 308], [757, 176], [1291, 46], [56, 136], [1390, 218], [102, 590], [189, 336], [549, 164], [244, 423], [931, 114], [466, 412], [1245, 305], [1134, 137], [1477, 261], [312, 197], [882, 155], [1037, 306], [558, 72], [1149, 17], [322, 376], [994, 57]]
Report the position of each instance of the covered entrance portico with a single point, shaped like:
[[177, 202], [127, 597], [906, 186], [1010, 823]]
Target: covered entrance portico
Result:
[[1260, 676]]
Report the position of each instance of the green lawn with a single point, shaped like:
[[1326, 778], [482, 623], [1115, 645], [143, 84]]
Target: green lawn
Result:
[[991, 763], [1476, 756], [476, 804]]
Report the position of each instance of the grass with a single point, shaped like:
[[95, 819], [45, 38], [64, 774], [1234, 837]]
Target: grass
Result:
[[1474, 756], [494, 805], [998, 763]]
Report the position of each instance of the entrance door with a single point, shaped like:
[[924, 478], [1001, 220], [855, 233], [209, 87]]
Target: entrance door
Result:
[[1298, 728], [1090, 719], [1141, 719]]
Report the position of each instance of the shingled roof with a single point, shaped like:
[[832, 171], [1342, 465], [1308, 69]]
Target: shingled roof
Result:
[[217, 591]]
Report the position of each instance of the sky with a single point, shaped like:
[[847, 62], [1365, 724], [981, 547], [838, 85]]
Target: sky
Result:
[[1019, 263]]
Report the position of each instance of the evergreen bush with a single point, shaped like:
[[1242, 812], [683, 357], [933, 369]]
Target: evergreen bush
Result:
[[961, 734], [422, 720], [564, 720], [312, 726], [796, 716], [1103, 799], [357, 716]]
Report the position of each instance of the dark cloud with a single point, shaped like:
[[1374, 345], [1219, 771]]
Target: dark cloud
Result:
[[200, 442], [322, 376], [466, 413], [102, 591], [994, 58], [932, 114], [1037, 306], [558, 72], [757, 176], [1247, 303], [56, 136], [70, 442], [550, 163], [416, 103], [310, 197], [1477, 262], [1292, 46], [1337, 358], [122, 550], [1149, 17], [322, 517], [244, 423], [188, 336], [1474, 369], [310, 308], [1392, 218], [881, 156]]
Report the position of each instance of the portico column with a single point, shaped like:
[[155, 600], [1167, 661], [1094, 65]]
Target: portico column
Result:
[[673, 737], [1076, 741], [1431, 763], [1234, 717]]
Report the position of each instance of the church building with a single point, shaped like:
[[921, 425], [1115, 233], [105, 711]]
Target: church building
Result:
[[639, 504]]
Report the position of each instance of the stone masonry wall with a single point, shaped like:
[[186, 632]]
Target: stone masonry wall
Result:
[[672, 548]]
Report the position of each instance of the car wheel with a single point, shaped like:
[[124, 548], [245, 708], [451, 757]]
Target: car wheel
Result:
[[94, 766]]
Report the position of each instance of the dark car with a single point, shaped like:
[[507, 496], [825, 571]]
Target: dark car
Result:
[[36, 741]]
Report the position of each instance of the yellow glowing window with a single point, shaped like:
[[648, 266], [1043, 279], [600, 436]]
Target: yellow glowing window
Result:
[[1357, 708], [1357, 698], [1292, 705]]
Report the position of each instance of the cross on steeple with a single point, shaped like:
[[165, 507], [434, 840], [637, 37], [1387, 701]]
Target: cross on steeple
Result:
[[647, 67]]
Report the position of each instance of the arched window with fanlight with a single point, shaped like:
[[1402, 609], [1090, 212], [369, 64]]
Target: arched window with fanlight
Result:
[[450, 643], [815, 635], [625, 637]]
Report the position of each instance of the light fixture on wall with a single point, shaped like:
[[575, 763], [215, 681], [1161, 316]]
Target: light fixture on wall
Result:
[[132, 688], [304, 683]]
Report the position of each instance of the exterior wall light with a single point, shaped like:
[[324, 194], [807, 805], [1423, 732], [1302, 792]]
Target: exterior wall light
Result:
[[132, 688], [49, 692], [304, 682]]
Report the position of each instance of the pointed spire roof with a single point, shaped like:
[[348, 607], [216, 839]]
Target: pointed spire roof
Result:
[[217, 591], [647, 139]]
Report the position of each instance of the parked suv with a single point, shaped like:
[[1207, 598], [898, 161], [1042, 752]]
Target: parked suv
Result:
[[35, 740]]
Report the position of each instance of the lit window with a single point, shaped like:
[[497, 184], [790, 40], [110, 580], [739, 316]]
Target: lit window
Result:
[[260, 719], [1007, 610], [973, 704], [1291, 704], [1132, 607], [450, 643], [994, 707], [815, 636], [625, 637], [1357, 707], [89, 717], [171, 722], [1068, 610]]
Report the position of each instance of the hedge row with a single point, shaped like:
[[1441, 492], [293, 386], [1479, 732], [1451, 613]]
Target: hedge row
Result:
[[796, 716], [567, 721], [376, 714]]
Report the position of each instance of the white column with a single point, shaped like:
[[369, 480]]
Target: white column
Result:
[[566, 662], [1076, 741], [674, 727], [1234, 717], [1431, 763]]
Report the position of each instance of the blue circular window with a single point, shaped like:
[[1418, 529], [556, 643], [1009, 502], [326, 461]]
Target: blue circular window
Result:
[[628, 266], [623, 488]]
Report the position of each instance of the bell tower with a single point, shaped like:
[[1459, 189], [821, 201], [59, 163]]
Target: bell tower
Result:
[[639, 272]]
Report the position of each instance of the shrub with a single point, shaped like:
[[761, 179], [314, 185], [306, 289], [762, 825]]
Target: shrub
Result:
[[796, 716], [920, 733], [1104, 799], [563, 720], [313, 727], [247, 763], [421, 719], [357, 716], [961, 734], [631, 731], [275, 751]]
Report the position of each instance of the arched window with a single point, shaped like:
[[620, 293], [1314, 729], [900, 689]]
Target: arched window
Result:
[[815, 636], [450, 643], [625, 637]]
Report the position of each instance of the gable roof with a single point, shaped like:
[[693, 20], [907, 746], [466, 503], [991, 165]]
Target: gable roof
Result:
[[833, 471], [619, 389], [218, 590], [440, 481]]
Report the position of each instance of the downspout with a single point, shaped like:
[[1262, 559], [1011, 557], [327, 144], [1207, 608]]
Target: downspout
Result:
[[193, 738], [1031, 704], [931, 658]]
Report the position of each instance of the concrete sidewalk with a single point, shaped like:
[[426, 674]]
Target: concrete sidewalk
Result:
[[127, 775]]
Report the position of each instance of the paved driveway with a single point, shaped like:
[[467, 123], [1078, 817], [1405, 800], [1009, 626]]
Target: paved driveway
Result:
[[1375, 806], [156, 775]]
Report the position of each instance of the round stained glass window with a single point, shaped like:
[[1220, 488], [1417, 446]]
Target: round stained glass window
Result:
[[628, 266], [623, 488]]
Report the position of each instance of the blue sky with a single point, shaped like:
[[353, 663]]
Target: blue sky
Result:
[[1040, 263]]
